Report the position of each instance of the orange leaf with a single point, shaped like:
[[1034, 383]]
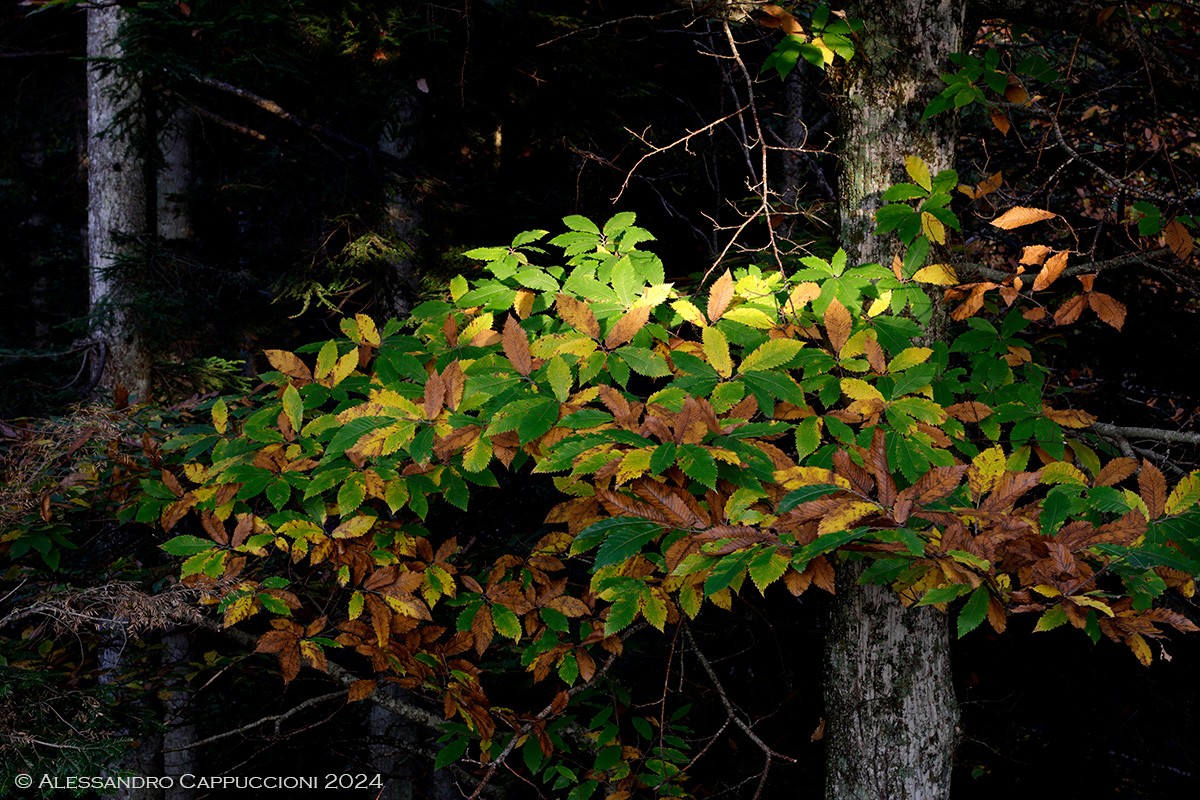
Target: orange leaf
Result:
[[516, 346], [1015, 92], [973, 303], [578, 315], [523, 303], [435, 391], [1035, 254], [719, 296], [1108, 308], [1087, 282], [1016, 217], [1179, 239], [781, 19], [1069, 311], [1069, 417], [1053, 267], [627, 326], [1000, 120], [838, 324]]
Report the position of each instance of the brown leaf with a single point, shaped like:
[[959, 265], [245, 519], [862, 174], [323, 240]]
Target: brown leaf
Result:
[[578, 315], [1020, 215], [435, 389], [516, 346], [969, 411], [939, 482], [973, 303], [838, 324], [1015, 92], [1116, 471], [1152, 486], [360, 690], [875, 355], [1069, 311], [482, 629], [290, 365], [1109, 309], [1179, 239], [1053, 267], [629, 324], [877, 463], [455, 383], [719, 296]]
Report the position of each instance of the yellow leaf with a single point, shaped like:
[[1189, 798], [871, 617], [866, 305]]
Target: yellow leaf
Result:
[[752, 317], [633, 465], [1092, 602], [1062, 472], [690, 313], [857, 389], [909, 357], [654, 296], [937, 274], [795, 477], [918, 170], [220, 416], [344, 367], [880, 304], [476, 326], [716, 350], [845, 516], [367, 332], [1046, 590], [354, 527], [239, 610], [932, 228], [1140, 648], [986, 469], [826, 53], [1184, 495]]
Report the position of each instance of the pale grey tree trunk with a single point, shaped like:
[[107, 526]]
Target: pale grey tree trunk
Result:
[[143, 755], [403, 217], [173, 216], [388, 734], [892, 720], [173, 221], [116, 201], [178, 754]]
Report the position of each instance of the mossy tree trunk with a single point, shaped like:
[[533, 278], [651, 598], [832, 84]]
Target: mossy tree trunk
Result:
[[890, 709]]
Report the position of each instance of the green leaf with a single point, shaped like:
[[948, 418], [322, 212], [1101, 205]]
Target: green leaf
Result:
[[771, 354], [973, 612], [623, 612], [351, 495], [507, 623], [450, 753], [597, 532], [187, 545], [943, 594], [767, 567], [804, 494], [559, 375], [624, 542], [539, 418], [698, 464], [808, 437], [293, 407], [579, 223], [644, 362]]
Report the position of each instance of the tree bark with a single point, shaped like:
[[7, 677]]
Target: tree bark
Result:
[[116, 202], [890, 708], [403, 217]]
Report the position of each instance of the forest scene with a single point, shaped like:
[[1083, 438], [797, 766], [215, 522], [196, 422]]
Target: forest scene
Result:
[[599, 399]]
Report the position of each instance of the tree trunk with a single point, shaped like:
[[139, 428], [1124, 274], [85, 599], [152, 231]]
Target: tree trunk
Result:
[[173, 216], [142, 757], [890, 708], [388, 733], [179, 755], [116, 202], [402, 215]]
